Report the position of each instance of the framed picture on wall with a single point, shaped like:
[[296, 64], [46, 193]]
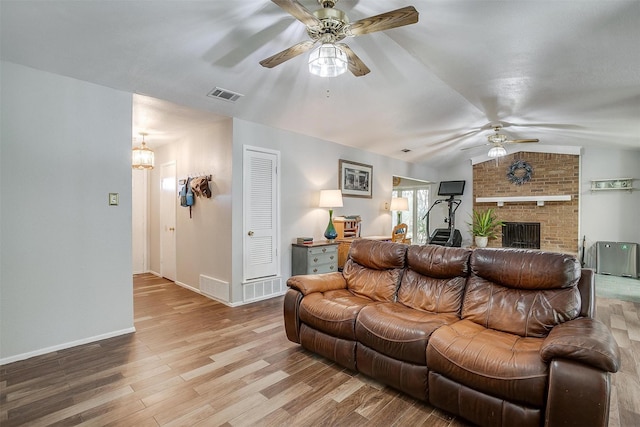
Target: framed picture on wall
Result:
[[355, 179]]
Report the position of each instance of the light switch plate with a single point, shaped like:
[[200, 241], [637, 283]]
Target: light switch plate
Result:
[[113, 199]]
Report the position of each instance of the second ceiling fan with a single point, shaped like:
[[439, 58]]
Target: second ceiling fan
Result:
[[328, 26], [497, 141]]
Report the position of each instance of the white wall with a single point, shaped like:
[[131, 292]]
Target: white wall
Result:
[[203, 242], [609, 215], [309, 165], [139, 218], [66, 254]]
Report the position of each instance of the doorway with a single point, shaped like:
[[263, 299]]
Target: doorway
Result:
[[417, 193]]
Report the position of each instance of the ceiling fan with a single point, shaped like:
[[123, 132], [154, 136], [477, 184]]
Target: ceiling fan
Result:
[[497, 141], [328, 26]]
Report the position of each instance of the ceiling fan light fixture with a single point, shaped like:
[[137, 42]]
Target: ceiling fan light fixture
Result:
[[497, 151], [328, 61]]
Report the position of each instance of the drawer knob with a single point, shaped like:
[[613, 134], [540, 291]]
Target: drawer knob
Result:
[[331, 257], [324, 249], [315, 260], [315, 270], [331, 268]]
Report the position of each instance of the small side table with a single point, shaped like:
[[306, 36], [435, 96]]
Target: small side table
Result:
[[317, 258]]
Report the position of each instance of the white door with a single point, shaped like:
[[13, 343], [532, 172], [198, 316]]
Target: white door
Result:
[[261, 201], [168, 204]]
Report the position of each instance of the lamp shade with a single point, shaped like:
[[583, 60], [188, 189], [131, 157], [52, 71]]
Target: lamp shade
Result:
[[399, 204], [497, 151], [330, 199]]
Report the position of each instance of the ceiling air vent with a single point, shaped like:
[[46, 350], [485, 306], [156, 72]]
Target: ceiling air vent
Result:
[[224, 94]]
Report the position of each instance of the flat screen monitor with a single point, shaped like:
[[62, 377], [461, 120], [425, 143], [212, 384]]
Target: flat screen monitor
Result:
[[451, 188]]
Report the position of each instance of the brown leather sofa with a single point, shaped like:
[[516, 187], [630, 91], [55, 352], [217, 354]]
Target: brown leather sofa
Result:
[[499, 337]]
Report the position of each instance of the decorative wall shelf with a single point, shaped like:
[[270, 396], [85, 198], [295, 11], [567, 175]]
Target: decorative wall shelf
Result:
[[612, 184], [518, 199]]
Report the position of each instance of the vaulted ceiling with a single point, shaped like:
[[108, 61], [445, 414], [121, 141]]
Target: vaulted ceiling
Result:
[[565, 72]]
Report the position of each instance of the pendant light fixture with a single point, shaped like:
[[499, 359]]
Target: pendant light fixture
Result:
[[142, 157]]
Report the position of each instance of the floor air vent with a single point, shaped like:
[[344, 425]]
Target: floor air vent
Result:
[[224, 94]]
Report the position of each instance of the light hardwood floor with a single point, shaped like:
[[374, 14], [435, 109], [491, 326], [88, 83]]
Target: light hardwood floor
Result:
[[193, 362]]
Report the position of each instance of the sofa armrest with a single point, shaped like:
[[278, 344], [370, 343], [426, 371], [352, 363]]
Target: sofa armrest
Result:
[[317, 282], [585, 340]]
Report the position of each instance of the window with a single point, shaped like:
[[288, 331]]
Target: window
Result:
[[418, 206]]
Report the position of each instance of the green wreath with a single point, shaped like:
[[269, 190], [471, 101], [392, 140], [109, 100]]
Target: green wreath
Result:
[[515, 176]]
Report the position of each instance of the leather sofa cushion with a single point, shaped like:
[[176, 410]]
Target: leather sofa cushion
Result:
[[399, 332], [499, 364], [378, 285], [333, 312], [429, 294], [526, 269], [520, 291], [435, 278], [374, 268], [518, 311], [378, 255], [439, 262]]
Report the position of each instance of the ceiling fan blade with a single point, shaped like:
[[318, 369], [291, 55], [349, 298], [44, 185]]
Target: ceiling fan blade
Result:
[[287, 54], [543, 125], [475, 146], [356, 66], [521, 141], [299, 12], [385, 21]]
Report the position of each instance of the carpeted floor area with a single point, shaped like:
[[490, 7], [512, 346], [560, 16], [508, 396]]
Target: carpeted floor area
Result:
[[623, 288]]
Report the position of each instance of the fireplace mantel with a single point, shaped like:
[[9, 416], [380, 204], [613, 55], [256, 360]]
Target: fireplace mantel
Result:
[[500, 201]]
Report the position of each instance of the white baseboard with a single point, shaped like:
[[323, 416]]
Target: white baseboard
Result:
[[76, 343], [189, 287]]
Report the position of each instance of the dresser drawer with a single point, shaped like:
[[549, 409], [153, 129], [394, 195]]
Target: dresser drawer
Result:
[[316, 259], [322, 250], [324, 268]]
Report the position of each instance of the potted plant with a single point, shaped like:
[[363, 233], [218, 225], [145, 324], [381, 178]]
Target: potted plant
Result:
[[483, 226]]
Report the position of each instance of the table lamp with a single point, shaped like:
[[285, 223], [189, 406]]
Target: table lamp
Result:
[[330, 199], [399, 204]]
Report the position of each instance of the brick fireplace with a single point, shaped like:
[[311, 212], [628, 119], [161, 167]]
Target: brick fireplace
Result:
[[552, 175]]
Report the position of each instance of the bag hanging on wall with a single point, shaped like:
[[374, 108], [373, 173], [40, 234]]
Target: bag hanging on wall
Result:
[[190, 197], [186, 196], [183, 195]]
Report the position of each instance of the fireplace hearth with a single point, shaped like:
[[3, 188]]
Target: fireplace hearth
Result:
[[521, 235]]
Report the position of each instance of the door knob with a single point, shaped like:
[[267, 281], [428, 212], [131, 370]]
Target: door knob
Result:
[[172, 229], [250, 233]]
